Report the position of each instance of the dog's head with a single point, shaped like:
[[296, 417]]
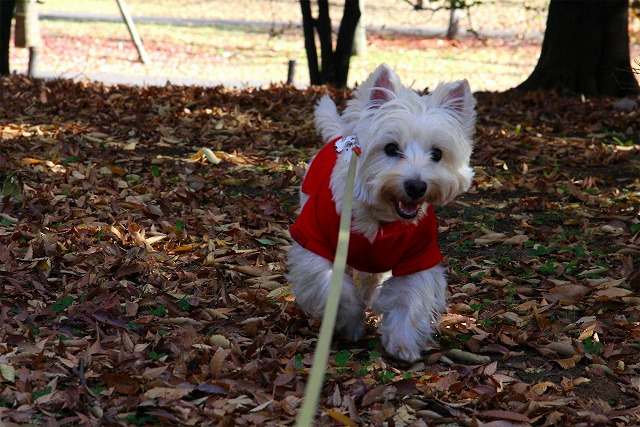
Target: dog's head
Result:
[[415, 149]]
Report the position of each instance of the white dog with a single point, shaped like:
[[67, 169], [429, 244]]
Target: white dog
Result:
[[415, 153]]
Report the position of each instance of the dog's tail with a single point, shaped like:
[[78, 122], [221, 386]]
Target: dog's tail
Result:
[[327, 118]]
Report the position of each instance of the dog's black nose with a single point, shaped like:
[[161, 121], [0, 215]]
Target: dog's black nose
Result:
[[415, 188]]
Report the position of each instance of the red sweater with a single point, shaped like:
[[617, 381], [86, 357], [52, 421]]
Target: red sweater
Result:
[[400, 247]]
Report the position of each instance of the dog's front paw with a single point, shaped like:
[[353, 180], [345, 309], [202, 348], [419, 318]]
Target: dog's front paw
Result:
[[410, 306], [402, 346]]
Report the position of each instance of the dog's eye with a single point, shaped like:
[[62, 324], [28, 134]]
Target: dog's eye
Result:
[[436, 154], [391, 149]]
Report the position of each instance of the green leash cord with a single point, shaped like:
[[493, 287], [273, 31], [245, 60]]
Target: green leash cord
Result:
[[314, 385]]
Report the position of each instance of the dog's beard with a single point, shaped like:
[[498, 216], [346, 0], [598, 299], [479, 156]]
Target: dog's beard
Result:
[[399, 205]]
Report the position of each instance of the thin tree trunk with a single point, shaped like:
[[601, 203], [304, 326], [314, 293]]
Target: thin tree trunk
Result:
[[344, 44], [308, 25], [323, 25], [334, 67], [6, 15], [454, 20], [360, 36]]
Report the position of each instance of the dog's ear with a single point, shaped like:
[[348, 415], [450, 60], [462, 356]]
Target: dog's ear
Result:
[[457, 98], [380, 87], [383, 89], [327, 119]]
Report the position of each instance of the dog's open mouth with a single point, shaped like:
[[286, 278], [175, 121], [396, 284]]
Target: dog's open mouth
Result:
[[407, 210]]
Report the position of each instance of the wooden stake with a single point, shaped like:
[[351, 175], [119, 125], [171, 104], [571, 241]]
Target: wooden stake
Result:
[[126, 16]]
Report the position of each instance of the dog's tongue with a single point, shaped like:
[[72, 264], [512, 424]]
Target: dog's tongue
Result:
[[407, 210]]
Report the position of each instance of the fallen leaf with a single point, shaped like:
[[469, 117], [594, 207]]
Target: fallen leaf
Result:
[[341, 418], [170, 393]]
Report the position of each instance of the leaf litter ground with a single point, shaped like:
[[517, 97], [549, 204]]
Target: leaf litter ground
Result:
[[143, 233]]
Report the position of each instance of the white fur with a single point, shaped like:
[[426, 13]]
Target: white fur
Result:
[[311, 277], [382, 112], [410, 306]]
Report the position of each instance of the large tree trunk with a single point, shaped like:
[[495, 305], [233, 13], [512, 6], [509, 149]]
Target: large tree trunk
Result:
[[335, 64], [585, 49], [6, 15]]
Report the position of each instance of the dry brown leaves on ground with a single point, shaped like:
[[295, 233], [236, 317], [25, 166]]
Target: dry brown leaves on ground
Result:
[[142, 239]]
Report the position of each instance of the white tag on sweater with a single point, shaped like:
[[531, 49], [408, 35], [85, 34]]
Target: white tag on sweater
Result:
[[348, 144]]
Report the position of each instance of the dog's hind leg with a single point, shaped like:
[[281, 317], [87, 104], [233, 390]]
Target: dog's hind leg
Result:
[[310, 275]]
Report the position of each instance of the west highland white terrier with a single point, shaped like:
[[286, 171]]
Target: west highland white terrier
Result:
[[415, 153]]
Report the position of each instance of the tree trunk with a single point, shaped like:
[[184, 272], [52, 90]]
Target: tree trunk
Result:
[[454, 20], [585, 49], [6, 15], [26, 31], [308, 28], [335, 64], [360, 36], [323, 26], [344, 45]]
